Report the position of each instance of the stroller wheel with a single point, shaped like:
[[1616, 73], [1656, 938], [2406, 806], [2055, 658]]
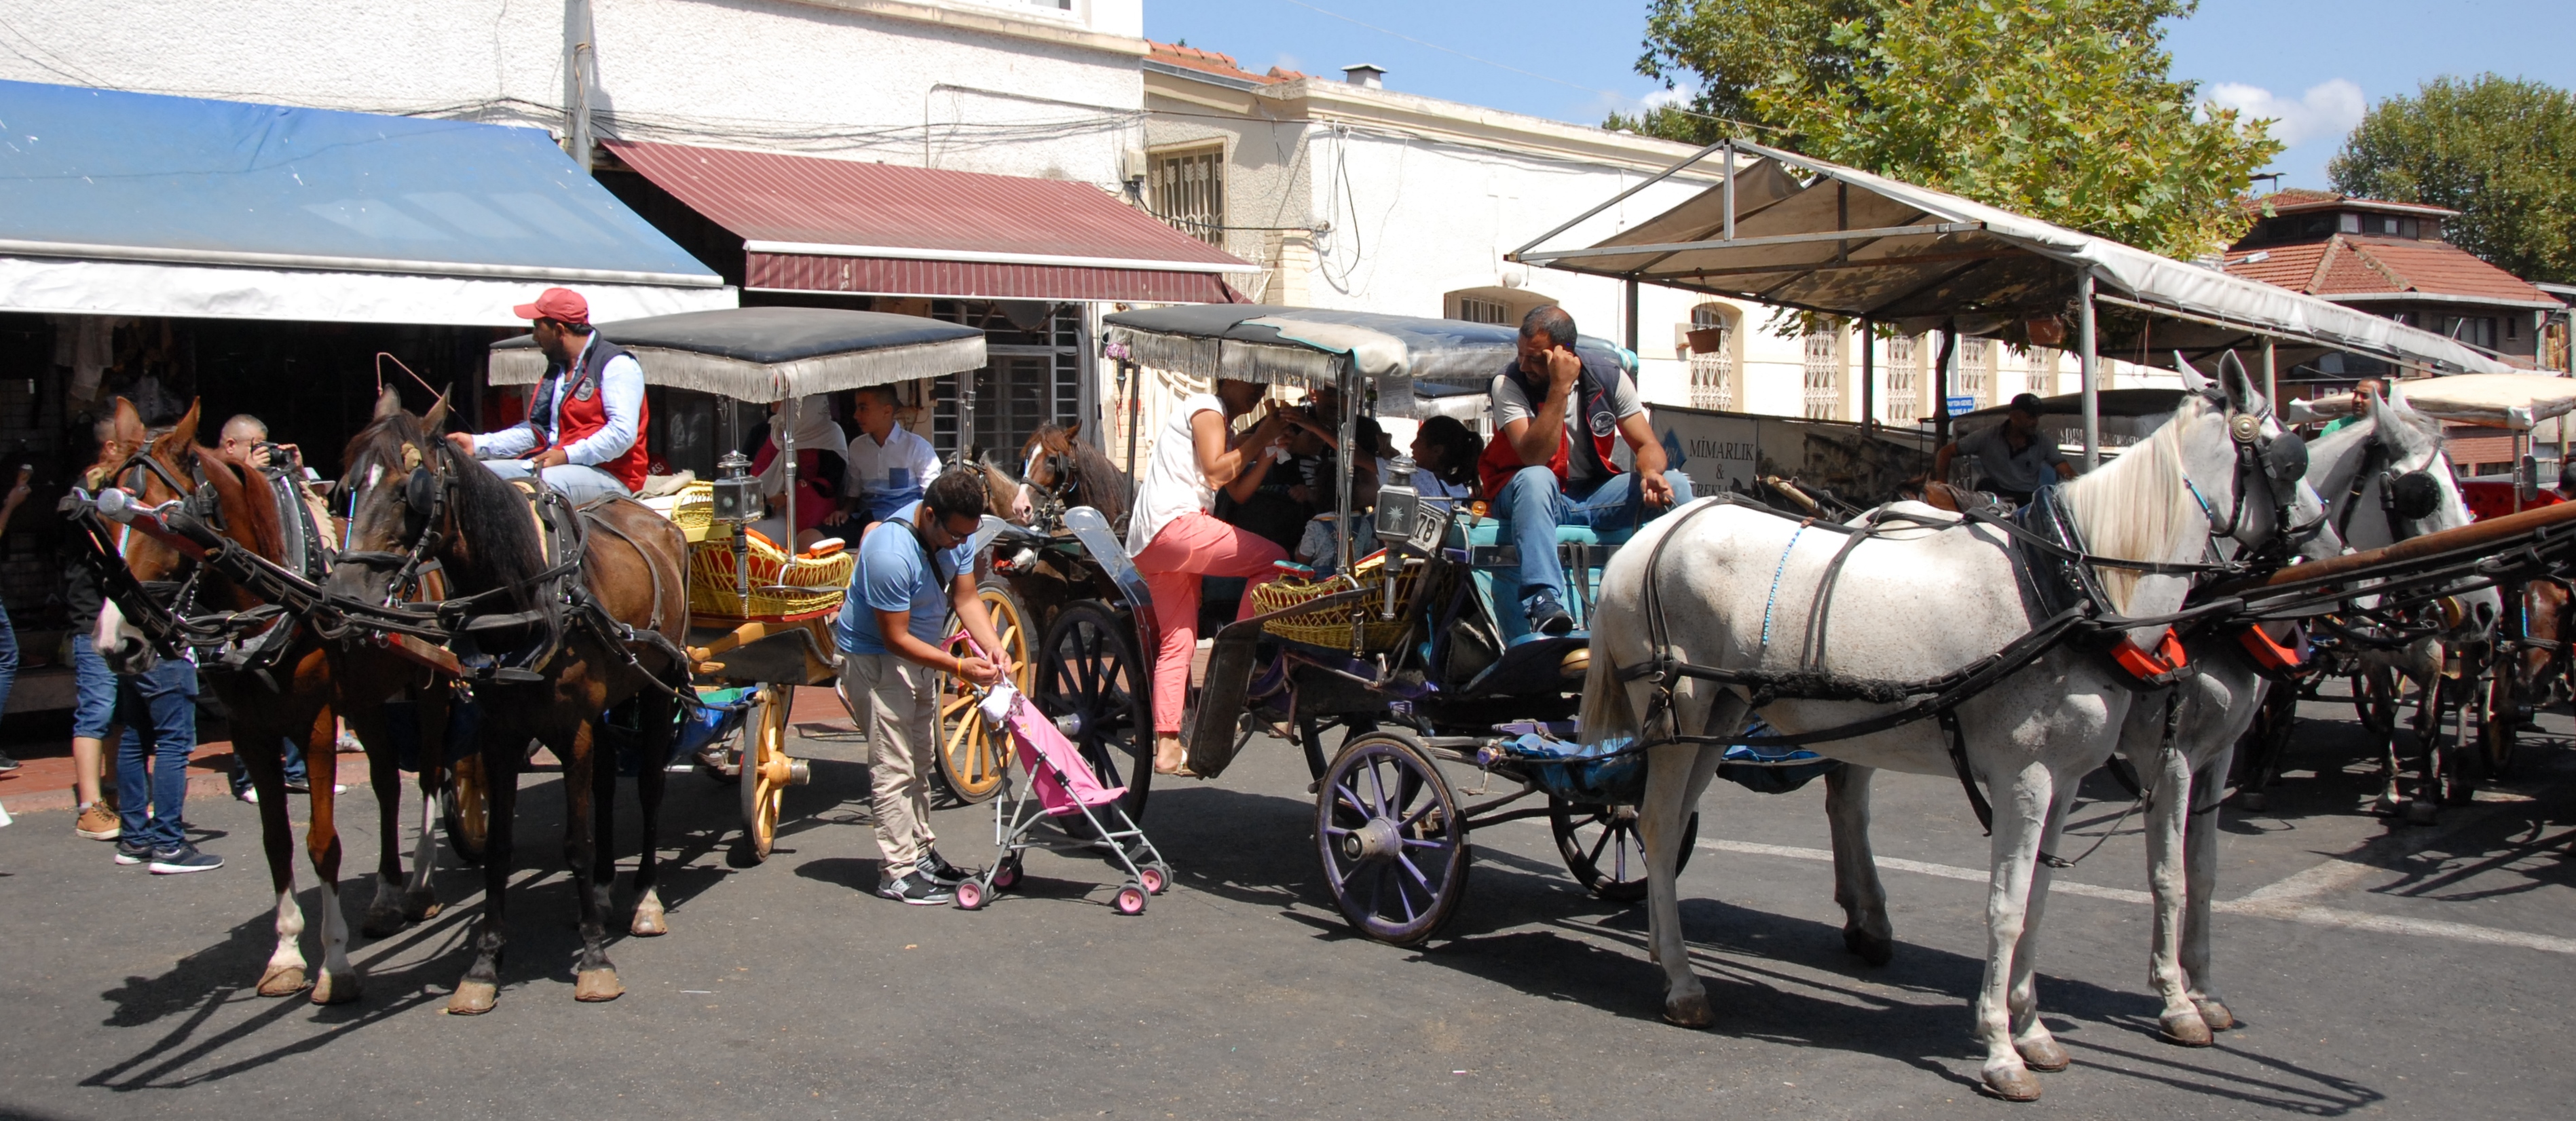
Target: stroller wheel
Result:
[[1156, 883], [1130, 900], [970, 896], [1006, 874]]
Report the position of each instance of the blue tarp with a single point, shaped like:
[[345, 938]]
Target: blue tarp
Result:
[[138, 177]]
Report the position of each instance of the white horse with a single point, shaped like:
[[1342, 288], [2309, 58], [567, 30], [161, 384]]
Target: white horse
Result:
[[2217, 705], [1739, 587]]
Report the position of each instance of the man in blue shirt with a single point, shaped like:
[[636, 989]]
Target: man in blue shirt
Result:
[[915, 568]]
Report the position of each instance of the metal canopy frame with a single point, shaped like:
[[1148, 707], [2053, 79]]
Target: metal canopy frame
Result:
[[1987, 271]]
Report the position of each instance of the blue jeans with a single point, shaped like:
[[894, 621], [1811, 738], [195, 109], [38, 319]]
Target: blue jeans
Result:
[[294, 766], [577, 482], [8, 657], [160, 709], [1532, 507], [94, 707]]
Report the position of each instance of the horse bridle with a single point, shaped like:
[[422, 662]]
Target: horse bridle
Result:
[[424, 497], [2281, 460], [2405, 498]]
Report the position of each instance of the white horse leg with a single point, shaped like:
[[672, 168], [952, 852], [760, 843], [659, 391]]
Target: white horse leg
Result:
[[2031, 1038], [2168, 775], [1676, 774], [340, 981], [2021, 819], [1866, 930], [2201, 850], [285, 972]]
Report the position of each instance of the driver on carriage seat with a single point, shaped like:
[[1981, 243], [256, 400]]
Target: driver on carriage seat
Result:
[[1538, 485], [585, 429]]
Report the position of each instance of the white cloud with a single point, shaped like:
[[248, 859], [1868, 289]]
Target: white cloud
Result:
[[2326, 111], [1661, 98]]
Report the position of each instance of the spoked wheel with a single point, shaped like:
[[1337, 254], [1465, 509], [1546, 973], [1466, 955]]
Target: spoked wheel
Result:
[[1604, 850], [1094, 685], [1394, 848], [464, 807], [972, 754], [1310, 736], [767, 771]]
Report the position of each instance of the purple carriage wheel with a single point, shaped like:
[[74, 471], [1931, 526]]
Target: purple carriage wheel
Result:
[[1604, 851], [1393, 843]]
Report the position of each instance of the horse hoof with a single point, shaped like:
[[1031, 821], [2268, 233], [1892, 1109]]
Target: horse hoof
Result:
[[650, 921], [383, 922], [1691, 1011], [337, 988], [2043, 1054], [2186, 1028], [422, 906], [2422, 811], [282, 980], [594, 986], [2216, 1015], [1872, 948], [473, 998], [2012, 1085]]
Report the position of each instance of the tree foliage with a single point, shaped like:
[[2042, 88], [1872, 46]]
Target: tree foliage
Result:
[[2500, 151], [2060, 109]]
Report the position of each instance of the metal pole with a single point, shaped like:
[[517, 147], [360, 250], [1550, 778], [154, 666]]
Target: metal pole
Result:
[[577, 72], [965, 412], [1132, 379], [1349, 465], [2271, 377], [1941, 385], [1868, 378], [1730, 190], [2086, 362], [1631, 294], [787, 461]]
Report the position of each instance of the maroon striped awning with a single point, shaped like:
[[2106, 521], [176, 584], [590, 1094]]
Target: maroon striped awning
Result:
[[822, 225]]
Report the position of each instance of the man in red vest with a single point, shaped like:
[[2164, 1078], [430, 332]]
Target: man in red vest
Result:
[[1559, 417], [585, 429]]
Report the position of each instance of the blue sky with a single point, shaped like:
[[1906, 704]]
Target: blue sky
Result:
[[2313, 65]]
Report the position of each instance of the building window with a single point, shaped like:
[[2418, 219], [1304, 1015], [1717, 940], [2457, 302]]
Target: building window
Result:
[[2041, 366], [1031, 375], [1904, 379], [1824, 389], [1712, 359], [1476, 309], [1189, 192], [2475, 330], [1976, 370]]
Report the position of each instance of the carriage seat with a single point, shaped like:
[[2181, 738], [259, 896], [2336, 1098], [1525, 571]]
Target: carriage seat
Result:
[[1497, 570], [1488, 532]]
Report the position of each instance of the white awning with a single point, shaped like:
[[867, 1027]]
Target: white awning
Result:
[[91, 287]]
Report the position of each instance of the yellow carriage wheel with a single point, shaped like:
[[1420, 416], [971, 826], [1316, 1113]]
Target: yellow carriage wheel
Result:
[[767, 771], [972, 754]]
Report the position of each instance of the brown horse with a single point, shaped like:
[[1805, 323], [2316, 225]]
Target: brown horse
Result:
[[2537, 673], [294, 696], [1069, 471], [414, 498]]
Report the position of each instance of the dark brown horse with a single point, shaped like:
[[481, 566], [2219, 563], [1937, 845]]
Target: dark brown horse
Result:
[[293, 696], [1067, 470], [416, 498], [2537, 672]]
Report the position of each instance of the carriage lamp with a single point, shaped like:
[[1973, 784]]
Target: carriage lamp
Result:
[[735, 500]]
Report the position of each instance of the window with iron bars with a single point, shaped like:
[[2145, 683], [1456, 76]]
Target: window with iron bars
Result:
[[1824, 398], [1189, 192], [1475, 310], [1976, 370], [1904, 379], [1712, 370], [1030, 376]]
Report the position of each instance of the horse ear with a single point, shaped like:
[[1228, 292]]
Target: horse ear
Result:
[[2193, 381], [129, 424], [183, 434], [388, 403], [436, 419], [1073, 431], [2237, 383]]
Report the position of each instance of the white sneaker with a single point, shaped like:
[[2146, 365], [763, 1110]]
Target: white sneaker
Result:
[[249, 794]]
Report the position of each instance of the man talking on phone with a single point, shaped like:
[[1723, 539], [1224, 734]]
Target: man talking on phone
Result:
[[1559, 416]]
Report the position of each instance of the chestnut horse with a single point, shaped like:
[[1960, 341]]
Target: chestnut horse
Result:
[[584, 639], [1069, 471], [296, 697]]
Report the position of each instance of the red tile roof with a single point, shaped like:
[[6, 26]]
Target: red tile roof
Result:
[[2349, 264], [2296, 200], [764, 196], [1192, 58]]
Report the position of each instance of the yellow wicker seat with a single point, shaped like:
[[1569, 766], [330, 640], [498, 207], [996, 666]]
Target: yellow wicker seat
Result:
[[780, 586]]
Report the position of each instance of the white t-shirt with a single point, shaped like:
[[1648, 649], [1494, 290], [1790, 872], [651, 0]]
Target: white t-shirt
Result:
[[1172, 485], [889, 476]]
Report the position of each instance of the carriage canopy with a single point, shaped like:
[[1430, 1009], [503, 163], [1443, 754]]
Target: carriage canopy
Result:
[[766, 354], [1307, 346], [2491, 400]]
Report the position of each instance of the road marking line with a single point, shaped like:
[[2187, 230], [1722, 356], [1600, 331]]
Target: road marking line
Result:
[[2268, 903]]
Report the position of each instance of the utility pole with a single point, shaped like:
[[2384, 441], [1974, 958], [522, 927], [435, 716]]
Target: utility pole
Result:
[[578, 72]]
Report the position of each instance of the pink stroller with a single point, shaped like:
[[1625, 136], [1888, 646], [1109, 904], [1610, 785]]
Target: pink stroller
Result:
[[1061, 784]]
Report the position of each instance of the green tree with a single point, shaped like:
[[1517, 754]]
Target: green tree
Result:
[[2060, 109], [2500, 151]]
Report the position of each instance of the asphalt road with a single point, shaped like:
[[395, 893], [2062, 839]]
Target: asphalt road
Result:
[[2411, 972]]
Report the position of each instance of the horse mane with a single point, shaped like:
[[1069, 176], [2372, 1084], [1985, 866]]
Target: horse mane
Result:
[[250, 514], [1099, 483], [2137, 507]]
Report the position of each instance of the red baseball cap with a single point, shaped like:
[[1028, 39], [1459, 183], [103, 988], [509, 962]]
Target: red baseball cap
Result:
[[562, 305]]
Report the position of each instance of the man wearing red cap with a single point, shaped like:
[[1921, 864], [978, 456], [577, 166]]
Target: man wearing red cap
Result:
[[585, 429]]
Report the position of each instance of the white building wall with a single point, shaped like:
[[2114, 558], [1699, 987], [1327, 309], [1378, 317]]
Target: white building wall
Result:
[[1057, 94]]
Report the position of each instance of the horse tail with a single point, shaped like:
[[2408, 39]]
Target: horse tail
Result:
[[1606, 713]]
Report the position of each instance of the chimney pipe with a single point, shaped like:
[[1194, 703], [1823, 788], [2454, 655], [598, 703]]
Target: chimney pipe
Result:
[[1366, 74]]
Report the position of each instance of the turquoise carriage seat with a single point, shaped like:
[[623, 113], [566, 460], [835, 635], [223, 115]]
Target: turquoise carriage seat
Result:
[[1582, 549]]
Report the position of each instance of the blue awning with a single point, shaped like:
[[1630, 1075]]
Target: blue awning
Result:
[[138, 204]]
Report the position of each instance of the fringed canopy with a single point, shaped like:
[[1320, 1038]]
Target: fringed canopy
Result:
[[770, 353]]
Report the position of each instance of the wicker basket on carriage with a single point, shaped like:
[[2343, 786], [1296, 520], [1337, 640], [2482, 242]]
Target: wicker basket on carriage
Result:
[[1331, 626], [781, 587]]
